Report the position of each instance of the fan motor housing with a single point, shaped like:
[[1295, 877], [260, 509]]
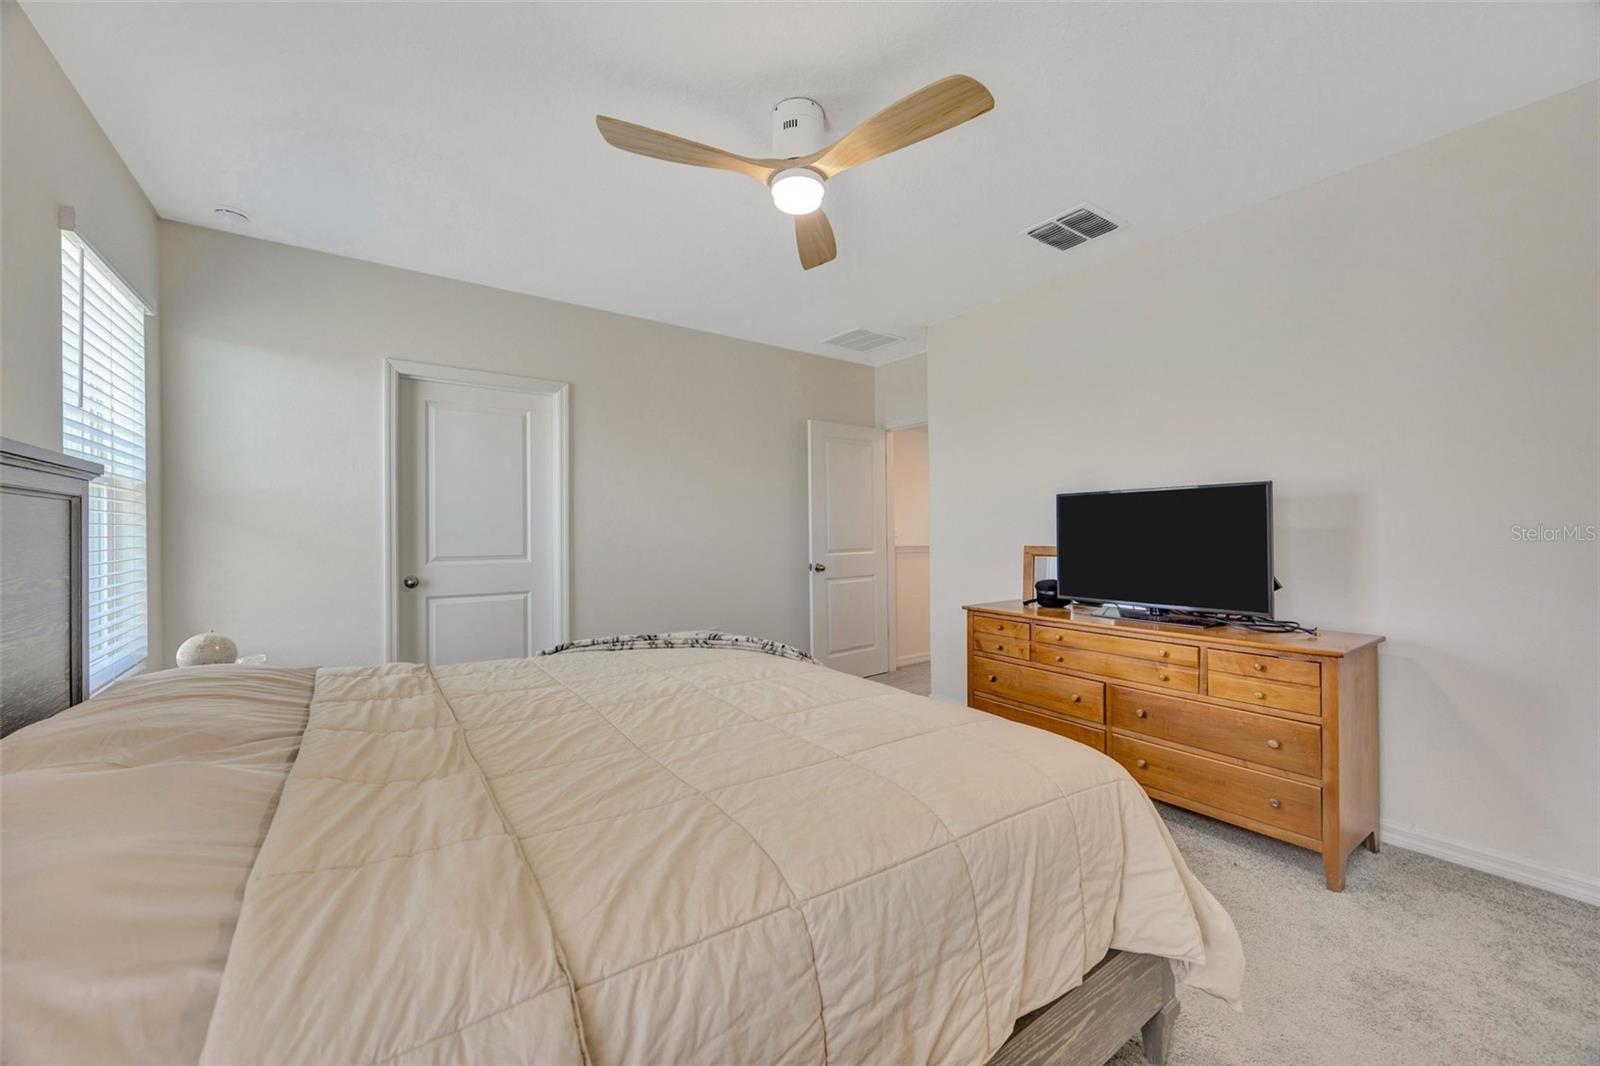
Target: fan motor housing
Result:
[[797, 125]]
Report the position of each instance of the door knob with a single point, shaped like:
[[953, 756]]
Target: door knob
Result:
[[410, 581], [819, 567]]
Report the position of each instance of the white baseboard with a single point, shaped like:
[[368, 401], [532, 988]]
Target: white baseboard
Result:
[[1561, 882], [912, 660]]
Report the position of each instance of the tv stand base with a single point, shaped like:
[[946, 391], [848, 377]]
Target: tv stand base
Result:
[[1154, 614]]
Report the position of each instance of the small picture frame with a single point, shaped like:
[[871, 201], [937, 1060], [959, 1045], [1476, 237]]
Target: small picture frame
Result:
[[1038, 562]]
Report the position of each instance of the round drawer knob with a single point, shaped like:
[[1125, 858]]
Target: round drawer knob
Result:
[[1261, 668], [1261, 695], [991, 679], [1274, 745], [1058, 658], [1163, 653], [1274, 803], [1140, 713], [1076, 698], [1140, 763], [1163, 677]]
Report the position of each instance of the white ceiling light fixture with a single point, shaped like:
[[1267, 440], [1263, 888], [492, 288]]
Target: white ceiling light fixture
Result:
[[797, 191]]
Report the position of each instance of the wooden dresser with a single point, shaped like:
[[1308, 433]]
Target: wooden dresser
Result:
[[1274, 732]]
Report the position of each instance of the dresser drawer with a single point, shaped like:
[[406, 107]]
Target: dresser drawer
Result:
[[1132, 647], [1256, 738], [1288, 671], [983, 625], [1178, 678], [1011, 649], [1249, 794], [1023, 684], [1057, 724], [1263, 693]]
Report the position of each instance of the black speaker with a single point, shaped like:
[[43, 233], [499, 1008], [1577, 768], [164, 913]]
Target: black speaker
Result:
[[1044, 593]]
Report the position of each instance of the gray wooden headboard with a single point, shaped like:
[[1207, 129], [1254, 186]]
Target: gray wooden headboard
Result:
[[44, 499]]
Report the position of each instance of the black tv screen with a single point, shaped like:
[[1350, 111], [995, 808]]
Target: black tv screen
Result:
[[1200, 548]]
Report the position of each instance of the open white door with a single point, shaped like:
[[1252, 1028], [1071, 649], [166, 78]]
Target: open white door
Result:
[[849, 553]]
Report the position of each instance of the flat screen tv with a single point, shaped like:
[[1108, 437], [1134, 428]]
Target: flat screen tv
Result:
[[1199, 548]]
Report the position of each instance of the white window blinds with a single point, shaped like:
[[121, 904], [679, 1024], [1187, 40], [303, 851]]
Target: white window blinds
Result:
[[103, 419]]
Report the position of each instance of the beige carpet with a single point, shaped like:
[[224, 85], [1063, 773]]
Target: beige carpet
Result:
[[1417, 961], [917, 679]]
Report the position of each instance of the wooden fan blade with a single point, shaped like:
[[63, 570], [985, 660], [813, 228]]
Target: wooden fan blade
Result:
[[815, 237], [946, 103], [642, 140]]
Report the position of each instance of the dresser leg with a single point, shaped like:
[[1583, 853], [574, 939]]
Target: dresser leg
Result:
[[1373, 844], [1333, 868]]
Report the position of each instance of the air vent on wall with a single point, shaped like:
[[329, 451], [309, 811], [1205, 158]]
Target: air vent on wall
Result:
[[1075, 227], [862, 340]]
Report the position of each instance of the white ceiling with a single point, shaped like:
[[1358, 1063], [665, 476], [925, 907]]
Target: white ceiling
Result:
[[459, 139]]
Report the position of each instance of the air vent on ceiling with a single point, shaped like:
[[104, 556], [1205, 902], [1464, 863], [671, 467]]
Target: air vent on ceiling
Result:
[[862, 340], [1088, 223], [1056, 235], [1075, 227]]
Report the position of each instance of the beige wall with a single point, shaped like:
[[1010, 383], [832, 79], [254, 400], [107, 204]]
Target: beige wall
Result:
[[908, 482], [902, 391], [912, 643], [908, 491], [688, 449], [53, 154], [1410, 351]]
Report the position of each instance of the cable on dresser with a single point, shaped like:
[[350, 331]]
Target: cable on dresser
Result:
[[1266, 625]]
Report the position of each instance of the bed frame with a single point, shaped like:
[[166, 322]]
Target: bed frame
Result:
[[1127, 994]]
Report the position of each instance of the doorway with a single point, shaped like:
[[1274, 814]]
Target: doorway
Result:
[[476, 514], [909, 638]]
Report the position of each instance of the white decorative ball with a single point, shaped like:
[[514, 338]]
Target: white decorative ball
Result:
[[207, 649]]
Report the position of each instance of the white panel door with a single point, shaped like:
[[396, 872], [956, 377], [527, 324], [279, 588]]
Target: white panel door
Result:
[[478, 511], [849, 571]]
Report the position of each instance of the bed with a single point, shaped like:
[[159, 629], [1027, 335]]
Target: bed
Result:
[[709, 851]]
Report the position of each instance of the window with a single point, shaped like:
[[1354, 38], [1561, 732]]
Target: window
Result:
[[102, 419]]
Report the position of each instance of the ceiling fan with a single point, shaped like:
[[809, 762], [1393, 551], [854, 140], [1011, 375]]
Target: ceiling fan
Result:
[[799, 169]]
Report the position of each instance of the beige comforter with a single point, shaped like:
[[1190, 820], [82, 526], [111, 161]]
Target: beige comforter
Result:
[[686, 855]]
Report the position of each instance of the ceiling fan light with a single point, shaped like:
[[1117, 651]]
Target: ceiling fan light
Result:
[[797, 191]]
